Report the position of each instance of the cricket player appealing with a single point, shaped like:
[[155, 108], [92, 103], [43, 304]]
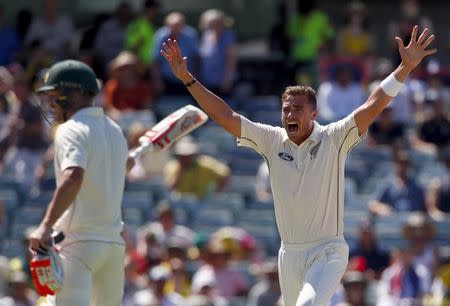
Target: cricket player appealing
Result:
[[91, 159], [306, 163]]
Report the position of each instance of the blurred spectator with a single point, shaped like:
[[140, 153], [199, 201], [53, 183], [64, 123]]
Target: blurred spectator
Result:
[[19, 291], [262, 186], [166, 229], [218, 52], [10, 41], [436, 88], [385, 131], [278, 38], [187, 38], [153, 294], [410, 16], [441, 283], [438, 193], [340, 96], [149, 166], [24, 18], [179, 283], [192, 173], [403, 283], [376, 260], [309, 30], [402, 105], [140, 32], [149, 251], [4, 271], [217, 269], [355, 284], [54, 31], [38, 60], [267, 291], [131, 282], [6, 95], [241, 245], [125, 90], [354, 38], [419, 232], [27, 138], [404, 194], [435, 130], [110, 38]]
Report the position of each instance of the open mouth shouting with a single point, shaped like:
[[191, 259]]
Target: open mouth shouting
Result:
[[292, 127]]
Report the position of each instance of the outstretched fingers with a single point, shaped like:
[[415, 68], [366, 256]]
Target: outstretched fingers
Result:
[[414, 35], [428, 41], [166, 56], [422, 36], [400, 43]]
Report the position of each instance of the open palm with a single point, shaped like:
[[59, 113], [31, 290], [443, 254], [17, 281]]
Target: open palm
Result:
[[172, 53], [415, 51]]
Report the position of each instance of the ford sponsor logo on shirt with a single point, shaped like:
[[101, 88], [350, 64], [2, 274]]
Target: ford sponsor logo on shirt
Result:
[[285, 156]]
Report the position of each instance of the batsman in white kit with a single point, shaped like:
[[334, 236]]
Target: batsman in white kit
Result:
[[306, 163], [91, 159]]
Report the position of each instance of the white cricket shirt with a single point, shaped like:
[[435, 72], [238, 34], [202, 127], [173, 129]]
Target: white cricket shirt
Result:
[[92, 141], [308, 179]]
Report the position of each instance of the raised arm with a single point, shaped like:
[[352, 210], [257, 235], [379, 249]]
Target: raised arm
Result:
[[411, 56], [215, 107]]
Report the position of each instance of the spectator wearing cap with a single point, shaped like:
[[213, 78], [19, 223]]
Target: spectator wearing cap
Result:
[[217, 52], [110, 38], [438, 193], [354, 283], [186, 36], [193, 173], [376, 260], [125, 91], [338, 97], [267, 291], [53, 30], [140, 32], [404, 194], [154, 294], [386, 132], [166, 229], [419, 232], [229, 282]]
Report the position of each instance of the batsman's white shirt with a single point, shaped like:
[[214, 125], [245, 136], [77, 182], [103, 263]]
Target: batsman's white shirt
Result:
[[92, 141], [308, 179]]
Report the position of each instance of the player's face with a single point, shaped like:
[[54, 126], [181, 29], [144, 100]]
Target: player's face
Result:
[[52, 109], [297, 115]]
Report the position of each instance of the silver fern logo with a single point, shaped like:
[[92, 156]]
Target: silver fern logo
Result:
[[314, 150]]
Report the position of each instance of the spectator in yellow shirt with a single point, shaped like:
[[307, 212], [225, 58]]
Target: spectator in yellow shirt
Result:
[[193, 173]]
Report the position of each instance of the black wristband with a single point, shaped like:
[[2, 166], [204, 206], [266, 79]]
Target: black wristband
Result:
[[189, 84]]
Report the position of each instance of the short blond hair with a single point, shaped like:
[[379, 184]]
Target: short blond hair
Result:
[[300, 90]]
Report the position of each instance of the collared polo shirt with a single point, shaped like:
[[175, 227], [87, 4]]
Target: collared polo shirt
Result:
[[92, 141], [308, 179]]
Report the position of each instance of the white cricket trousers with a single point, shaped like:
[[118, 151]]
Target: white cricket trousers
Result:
[[310, 273], [93, 274]]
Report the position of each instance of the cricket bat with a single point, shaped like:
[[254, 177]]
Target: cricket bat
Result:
[[176, 125]]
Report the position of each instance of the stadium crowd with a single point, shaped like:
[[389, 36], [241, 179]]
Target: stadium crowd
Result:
[[199, 221]]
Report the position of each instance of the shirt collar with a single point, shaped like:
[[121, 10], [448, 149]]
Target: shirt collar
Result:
[[89, 111], [315, 135]]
